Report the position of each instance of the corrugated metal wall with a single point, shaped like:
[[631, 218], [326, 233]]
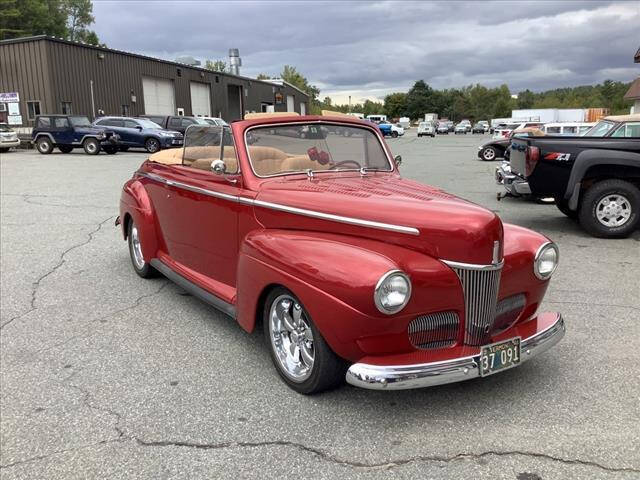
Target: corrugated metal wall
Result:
[[56, 71]]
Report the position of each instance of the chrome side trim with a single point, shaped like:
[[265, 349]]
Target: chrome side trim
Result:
[[285, 208], [402, 377], [338, 218], [194, 289], [474, 266]]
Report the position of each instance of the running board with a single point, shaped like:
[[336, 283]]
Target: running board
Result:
[[194, 289]]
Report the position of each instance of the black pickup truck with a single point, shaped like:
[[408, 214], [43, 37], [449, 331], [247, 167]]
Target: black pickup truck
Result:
[[594, 178]]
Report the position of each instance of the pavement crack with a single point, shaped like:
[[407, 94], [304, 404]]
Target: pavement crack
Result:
[[30, 198], [61, 261], [382, 465]]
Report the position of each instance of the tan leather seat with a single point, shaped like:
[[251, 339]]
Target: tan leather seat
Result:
[[266, 160], [302, 162]]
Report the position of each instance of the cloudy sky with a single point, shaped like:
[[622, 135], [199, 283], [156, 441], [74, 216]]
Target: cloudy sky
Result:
[[367, 49]]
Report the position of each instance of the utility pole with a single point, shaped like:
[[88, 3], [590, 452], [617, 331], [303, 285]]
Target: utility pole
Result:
[[349, 103]]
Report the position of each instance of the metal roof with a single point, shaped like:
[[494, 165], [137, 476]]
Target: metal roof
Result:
[[634, 91]]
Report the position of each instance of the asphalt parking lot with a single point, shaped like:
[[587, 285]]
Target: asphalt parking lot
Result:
[[106, 375]]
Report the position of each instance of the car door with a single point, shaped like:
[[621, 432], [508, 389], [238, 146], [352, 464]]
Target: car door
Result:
[[198, 215], [62, 131], [133, 132]]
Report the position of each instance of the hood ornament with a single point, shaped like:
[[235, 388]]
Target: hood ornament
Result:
[[496, 253]]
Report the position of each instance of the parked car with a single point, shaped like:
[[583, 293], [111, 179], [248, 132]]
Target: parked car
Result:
[[175, 123], [8, 138], [217, 121], [486, 125], [571, 129], [594, 178], [478, 128], [353, 271], [460, 128], [426, 128], [504, 130], [72, 131], [390, 129], [466, 123], [451, 126], [443, 128], [494, 149], [141, 133]]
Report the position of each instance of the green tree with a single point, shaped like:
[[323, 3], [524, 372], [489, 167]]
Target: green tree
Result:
[[216, 66], [23, 18], [420, 100], [79, 17], [526, 99], [395, 105], [263, 76], [291, 75]]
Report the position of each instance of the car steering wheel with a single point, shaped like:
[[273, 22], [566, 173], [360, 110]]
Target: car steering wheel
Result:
[[345, 162]]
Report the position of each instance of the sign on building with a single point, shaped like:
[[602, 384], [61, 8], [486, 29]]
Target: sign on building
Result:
[[13, 108], [9, 97]]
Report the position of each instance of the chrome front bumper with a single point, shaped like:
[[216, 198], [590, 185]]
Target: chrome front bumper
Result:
[[513, 183], [402, 377]]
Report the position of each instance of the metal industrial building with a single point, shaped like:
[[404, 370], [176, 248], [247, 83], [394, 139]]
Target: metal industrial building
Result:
[[49, 75]]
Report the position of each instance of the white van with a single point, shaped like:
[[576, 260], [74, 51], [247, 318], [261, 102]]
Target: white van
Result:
[[377, 118]]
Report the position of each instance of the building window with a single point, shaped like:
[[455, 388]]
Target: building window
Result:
[[66, 108], [33, 109], [124, 110]]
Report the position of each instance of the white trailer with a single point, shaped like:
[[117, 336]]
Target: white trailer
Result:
[[551, 115], [430, 117]]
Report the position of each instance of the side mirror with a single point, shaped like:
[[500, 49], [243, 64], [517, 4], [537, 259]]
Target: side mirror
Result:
[[139, 128], [218, 167], [398, 160]]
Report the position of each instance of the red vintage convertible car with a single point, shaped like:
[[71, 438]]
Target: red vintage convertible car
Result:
[[352, 270]]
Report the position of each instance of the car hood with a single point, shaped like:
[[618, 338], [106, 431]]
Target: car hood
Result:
[[93, 129], [447, 227]]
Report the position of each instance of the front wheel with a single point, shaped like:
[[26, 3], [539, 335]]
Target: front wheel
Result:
[[91, 146], [394, 134], [489, 154], [44, 145], [299, 352], [152, 145], [610, 209]]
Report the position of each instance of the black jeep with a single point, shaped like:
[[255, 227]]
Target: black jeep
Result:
[[71, 131]]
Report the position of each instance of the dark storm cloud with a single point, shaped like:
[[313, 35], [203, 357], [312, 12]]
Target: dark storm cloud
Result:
[[368, 49]]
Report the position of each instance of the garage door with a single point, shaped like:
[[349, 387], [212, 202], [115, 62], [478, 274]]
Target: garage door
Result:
[[200, 99], [291, 107], [158, 96]]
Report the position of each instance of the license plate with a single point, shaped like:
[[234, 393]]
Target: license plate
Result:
[[177, 142], [499, 356]]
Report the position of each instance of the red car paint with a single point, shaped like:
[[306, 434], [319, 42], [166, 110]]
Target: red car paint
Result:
[[237, 250]]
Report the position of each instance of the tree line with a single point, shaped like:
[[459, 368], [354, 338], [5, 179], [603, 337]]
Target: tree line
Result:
[[68, 19]]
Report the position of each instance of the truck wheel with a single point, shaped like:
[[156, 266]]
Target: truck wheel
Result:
[[489, 154], [610, 209], [65, 148], [563, 206], [394, 134], [152, 145], [142, 268], [91, 146], [301, 356], [44, 145]]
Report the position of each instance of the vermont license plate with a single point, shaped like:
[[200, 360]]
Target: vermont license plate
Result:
[[499, 356]]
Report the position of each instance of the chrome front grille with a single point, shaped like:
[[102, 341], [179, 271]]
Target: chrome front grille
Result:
[[436, 330], [480, 287]]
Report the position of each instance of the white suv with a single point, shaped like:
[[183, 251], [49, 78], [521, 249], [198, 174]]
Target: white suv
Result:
[[426, 128]]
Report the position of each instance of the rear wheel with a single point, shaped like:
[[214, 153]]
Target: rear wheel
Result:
[[489, 154], [610, 209], [142, 268], [300, 354], [394, 134], [152, 145], [91, 146], [65, 148], [44, 145]]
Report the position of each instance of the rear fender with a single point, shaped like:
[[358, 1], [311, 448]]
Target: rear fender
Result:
[[588, 159], [136, 205]]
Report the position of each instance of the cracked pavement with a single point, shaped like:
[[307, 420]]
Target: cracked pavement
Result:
[[104, 374]]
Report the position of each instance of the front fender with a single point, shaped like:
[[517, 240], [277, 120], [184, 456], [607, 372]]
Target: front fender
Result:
[[334, 276], [136, 205]]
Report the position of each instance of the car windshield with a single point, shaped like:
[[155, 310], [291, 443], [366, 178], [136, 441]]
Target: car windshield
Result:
[[600, 129], [80, 121], [144, 123], [201, 121], [315, 147]]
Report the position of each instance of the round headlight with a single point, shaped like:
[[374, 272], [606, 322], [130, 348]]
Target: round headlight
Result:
[[546, 261], [392, 292]]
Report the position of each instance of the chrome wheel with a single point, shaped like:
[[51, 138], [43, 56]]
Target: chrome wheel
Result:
[[136, 248], [489, 154], [91, 148], [613, 210], [291, 338]]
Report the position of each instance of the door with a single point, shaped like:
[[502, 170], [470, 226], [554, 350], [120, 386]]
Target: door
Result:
[[159, 98], [303, 108], [62, 131], [133, 133], [200, 99], [291, 104], [234, 99]]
